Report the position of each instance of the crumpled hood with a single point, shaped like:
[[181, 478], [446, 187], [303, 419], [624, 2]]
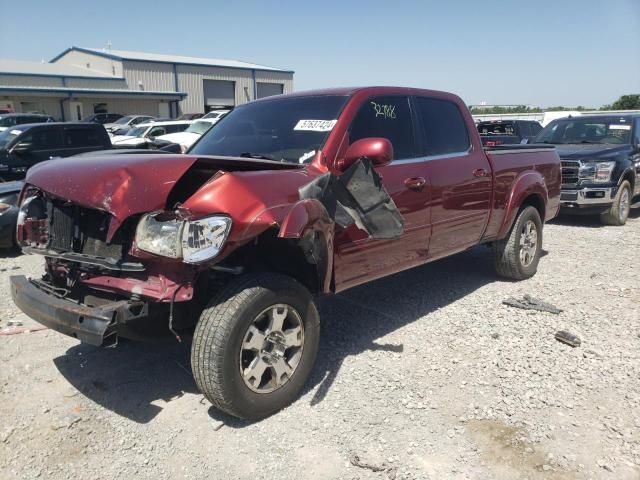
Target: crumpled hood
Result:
[[125, 185], [588, 150]]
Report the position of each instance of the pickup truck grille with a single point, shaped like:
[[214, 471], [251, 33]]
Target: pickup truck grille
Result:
[[81, 230], [570, 170]]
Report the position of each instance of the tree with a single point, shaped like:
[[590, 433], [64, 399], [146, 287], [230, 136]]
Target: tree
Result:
[[627, 102]]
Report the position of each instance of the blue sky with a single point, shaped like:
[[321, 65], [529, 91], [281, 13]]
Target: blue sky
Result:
[[541, 52]]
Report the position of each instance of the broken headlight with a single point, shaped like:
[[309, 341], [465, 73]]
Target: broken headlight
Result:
[[203, 239], [160, 233], [194, 240]]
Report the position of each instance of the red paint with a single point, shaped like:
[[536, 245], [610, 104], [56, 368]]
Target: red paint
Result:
[[448, 204]]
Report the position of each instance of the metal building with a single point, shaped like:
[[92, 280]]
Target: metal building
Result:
[[82, 81]]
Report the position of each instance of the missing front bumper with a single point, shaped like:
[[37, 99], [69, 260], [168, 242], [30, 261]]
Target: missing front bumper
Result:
[[94, 325]]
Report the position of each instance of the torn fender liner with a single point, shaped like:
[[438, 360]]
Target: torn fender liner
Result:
[[357, 196]]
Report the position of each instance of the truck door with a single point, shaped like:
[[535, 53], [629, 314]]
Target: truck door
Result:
[[460, 180], [360, 257]]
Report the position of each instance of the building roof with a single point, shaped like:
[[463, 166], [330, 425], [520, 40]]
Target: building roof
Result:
[[113, 92], [164, 58], [15, 67]]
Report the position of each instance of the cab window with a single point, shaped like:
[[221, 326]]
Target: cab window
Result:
[[387, 117], [443, 127]]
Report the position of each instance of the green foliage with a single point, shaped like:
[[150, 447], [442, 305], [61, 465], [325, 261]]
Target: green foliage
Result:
[[627, 102]]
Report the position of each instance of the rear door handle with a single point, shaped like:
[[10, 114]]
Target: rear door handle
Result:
[[480, 172], [415, 183]]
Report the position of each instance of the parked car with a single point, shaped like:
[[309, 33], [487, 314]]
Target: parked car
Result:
[[289, 196], [144, 134], [190, 116], [600, 163], [9, 192], [103, 118], [123, 124], [23, 146], [12, 119], [187, 137], [499, 132], [216, 114]]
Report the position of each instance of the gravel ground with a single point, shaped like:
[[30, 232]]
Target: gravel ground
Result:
[[422, 375]]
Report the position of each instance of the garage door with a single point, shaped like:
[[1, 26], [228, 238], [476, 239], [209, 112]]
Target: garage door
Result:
[[219, 93], [268, 89]]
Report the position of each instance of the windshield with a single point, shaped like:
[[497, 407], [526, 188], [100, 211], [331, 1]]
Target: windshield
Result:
[[496, 129], [286, 129], [137, 132], [7, 121], [123, 120], [7, 137], [614, 130], [199, 127]]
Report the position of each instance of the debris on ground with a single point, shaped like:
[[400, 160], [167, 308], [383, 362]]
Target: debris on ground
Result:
[[568, 338], [527, 302], [354, 459]]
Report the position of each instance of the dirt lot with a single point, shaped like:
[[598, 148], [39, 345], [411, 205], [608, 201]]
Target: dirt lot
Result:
[[424, 375]]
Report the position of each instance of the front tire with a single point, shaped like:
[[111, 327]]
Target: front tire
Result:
[[255, 345], [621, 206], [517, 256]]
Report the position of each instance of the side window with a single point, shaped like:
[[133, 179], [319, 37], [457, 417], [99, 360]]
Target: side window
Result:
[[81, 137], [156, 132], [443, 126], [525, 130], [535, 128], [45, 138], [386, 117]]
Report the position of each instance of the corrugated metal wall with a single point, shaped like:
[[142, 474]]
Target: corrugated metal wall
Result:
[[50, 106], [95, 83], [29, 81], [156, 77], [97, 63], [190, 80], [286, 79]]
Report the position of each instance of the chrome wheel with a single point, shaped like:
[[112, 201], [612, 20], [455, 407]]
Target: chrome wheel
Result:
[[528, 243], [271, 348], [625, 205]]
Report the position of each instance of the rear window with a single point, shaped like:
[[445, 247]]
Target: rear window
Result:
[[443, 126], [496, 129]]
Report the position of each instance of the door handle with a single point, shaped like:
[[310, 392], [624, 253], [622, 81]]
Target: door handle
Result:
[[415, 183], [480, 172]]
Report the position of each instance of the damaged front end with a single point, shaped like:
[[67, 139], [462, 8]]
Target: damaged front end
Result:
[[95, 287]]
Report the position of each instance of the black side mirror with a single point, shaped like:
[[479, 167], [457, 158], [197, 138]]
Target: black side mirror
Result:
[[21, 147]]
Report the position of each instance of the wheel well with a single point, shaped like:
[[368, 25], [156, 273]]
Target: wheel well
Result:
[[536, 201], [283, 255], [630, 177]]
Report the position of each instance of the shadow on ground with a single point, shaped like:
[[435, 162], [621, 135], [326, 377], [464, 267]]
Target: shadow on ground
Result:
[[589, 221], [127, 379]]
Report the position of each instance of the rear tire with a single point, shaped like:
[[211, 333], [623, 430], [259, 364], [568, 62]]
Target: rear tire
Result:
[[255, 345], [517, 256], [619, 211]]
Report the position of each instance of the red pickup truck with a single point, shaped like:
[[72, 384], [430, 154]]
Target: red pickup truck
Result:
[[286, 197]]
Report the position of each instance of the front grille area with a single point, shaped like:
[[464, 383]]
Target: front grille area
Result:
[[570, 171], [81, 230]]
